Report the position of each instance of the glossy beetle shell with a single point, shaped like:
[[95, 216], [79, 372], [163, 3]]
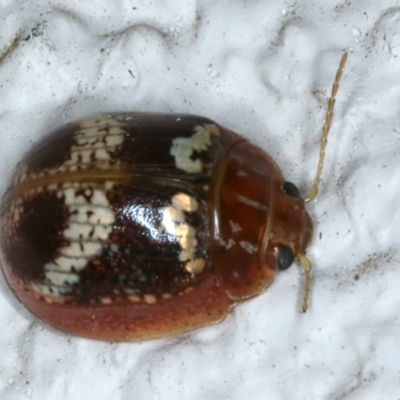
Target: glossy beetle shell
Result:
[[138, 226]]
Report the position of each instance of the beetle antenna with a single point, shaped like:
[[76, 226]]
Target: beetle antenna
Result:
[[305, 262], [325, 130]]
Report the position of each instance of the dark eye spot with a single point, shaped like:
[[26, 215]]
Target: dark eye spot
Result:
[[284, 257], [291, 189]]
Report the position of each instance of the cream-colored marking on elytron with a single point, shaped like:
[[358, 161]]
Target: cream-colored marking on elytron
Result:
[[50, 294], [174, 223], [67, 264], [182, 148], [183, 201], [78, 230], [95, 142], [22, 177], [89, 226], [60, 278], [101, 154], [150, 298], [92, 215], [196, 266], [134, 298], [81, 250], [114, 139], [99, 198], [102, 233]]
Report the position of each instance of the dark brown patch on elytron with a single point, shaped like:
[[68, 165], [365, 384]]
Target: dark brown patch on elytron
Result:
[[134, 276], [139, 257], [38, 235], [54, 151], [150, 139]]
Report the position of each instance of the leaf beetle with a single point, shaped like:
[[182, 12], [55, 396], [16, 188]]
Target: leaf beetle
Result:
[[130, 226]]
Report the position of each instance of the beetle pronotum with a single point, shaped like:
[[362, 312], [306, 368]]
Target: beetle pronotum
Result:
[[136, 226]]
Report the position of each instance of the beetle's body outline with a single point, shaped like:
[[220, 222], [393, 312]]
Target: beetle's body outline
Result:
[[156, 224]]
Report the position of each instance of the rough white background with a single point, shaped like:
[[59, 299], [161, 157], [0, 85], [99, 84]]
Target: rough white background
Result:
[[263, 68]]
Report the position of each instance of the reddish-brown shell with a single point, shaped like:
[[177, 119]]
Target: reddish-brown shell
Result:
[[138, 226]]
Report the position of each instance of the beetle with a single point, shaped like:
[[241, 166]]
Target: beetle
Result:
[[130, 226]]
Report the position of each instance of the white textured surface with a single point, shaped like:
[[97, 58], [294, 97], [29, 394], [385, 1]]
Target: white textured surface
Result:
[[263, 69]]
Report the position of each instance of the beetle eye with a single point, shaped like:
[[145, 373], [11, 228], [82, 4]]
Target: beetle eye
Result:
[[284, 257], [291, 189]]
